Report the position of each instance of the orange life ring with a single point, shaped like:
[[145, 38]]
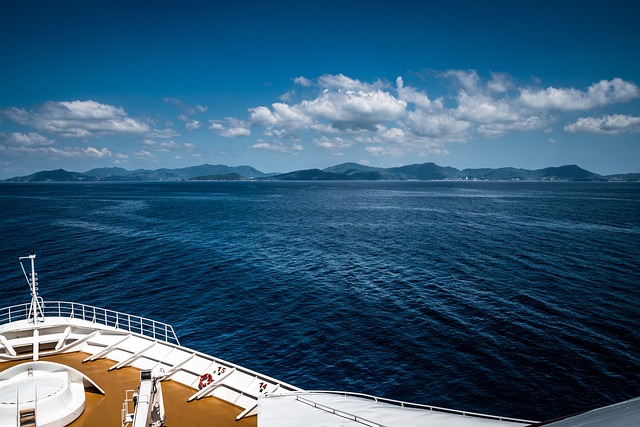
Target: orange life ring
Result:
[[205, 380]]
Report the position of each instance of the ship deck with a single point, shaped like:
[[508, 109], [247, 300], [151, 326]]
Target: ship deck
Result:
[[105, 410]]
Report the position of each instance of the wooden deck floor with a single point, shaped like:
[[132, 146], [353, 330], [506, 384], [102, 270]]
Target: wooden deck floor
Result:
[[106, 410]]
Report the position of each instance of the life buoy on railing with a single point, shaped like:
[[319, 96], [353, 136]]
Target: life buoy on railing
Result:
[[205, 380]]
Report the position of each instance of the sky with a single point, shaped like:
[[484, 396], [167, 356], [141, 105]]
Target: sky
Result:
[[290, 85]]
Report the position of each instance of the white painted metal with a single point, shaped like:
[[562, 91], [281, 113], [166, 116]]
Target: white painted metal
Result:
[[181, 364], [149, 410], [210, 387], [333, 409], [50, 393], [36, 314], [106, 351]]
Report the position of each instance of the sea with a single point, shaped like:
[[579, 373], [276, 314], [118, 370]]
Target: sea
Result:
[[519, 299]]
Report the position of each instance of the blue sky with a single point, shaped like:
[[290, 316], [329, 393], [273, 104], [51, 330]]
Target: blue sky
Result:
[[288, 85]]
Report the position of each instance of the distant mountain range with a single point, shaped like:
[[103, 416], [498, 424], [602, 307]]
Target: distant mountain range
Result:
[[208, 172], [342, 172]]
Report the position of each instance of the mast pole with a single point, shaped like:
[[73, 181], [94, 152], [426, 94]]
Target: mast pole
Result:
[[36, 313]]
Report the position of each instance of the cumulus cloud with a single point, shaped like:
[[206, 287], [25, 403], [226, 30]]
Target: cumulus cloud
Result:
[[438, 126], [230, 127], [166, 146], [192, 125], [356, 109], [97, 153], [144, 155], [343, 104], [262, 116], [277, 146], [500, 83], [469, 79], [31, 139], [528, 123], [336, 145], [79, 119], [337, 112], [414, 96], [34, 143], [482, 108], [302, 81], [611, 125], [603, 93]]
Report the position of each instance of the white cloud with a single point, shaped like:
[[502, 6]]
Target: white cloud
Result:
[[121, 159], [290, 117], [335, 144], [97, 153], [277, 146], [340, 81], [144, 155], [302, 81], [500, 83], [611, 124], [361, 109], [469, 79], [443, 126], [36, 144], [230, 127], [411, 95], [166, 146], [287, 96], [282, 120], [192, 125], [18, 115], [485, 109], [262, 116], [31, 139], [387, 150], [603, 93], [376, 151], [403, 120], [528, 123], [78, 119]]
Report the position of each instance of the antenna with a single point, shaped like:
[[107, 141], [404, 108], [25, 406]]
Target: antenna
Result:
[[36, 313]]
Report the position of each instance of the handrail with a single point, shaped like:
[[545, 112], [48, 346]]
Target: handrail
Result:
[[397, 403], [102, 316], [339, 413]]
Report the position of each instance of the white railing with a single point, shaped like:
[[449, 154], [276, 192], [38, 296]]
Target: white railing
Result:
[[299, 396], [102, 316], [339, 413]]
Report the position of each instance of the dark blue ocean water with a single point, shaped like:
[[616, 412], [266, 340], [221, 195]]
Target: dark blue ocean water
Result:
[[518, 299]]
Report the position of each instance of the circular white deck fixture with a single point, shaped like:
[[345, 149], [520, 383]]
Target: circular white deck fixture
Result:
[[48, 393]]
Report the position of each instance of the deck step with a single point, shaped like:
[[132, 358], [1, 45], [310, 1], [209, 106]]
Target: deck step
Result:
[[27, 417]]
